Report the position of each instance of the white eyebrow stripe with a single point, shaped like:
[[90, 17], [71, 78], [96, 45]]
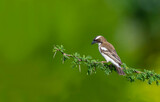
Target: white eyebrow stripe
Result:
[[103, 48], [98, 37]]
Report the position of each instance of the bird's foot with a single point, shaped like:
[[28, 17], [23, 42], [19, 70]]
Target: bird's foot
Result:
[[111, 66]]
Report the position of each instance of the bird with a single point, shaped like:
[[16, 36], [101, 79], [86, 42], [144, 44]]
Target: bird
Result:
[[108, 51]]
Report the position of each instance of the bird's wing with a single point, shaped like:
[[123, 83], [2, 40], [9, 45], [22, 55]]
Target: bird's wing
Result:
[[110, 51]]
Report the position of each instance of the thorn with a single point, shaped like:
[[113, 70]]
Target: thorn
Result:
[[87, 73], [91, 71], [95, 70], [79, 68], [54, 54], [63, 60]]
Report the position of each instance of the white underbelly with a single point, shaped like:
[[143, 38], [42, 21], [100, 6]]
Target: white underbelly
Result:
[[108, 59]]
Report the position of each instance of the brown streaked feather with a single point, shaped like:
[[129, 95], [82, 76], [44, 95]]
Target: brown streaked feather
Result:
[[111, 52]]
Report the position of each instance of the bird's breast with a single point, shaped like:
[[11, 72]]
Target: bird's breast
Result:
[[99, 47]]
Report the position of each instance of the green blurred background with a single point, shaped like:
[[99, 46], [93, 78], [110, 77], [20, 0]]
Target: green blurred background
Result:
[[30, 28]]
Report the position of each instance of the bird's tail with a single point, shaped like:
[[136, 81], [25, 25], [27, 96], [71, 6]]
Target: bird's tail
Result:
[[120, 71]]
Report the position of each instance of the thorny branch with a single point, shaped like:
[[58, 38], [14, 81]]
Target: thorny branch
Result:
[[92, 64]]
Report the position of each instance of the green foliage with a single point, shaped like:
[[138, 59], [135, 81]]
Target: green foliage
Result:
[[92, 64]]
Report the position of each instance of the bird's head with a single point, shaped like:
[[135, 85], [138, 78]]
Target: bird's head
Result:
[[98, 39]]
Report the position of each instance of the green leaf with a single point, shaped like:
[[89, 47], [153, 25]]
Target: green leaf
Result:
[[107, 71], [131, 78], [157, 83]]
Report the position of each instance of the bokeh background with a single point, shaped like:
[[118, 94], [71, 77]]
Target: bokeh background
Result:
[[30, 28]]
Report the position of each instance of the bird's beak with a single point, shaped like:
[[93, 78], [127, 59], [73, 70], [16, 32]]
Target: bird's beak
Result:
[[93, 42]]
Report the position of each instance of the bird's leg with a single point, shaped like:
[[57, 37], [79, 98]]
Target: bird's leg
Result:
[[110, 65], [104, 62]]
